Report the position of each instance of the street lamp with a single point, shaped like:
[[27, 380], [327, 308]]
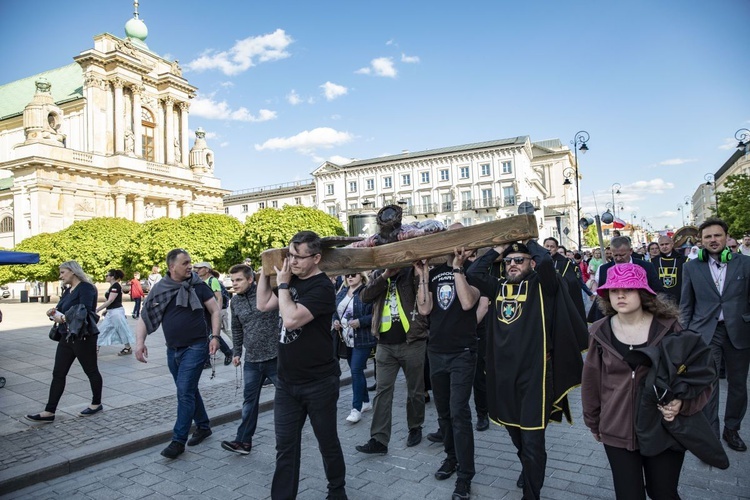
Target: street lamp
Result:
[[711, 181], [743, 136], [688, 203], [579, 144], [615, 190], [682, 212]]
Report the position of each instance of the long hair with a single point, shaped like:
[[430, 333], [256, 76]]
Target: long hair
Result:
[[660, 305], [75, 268]]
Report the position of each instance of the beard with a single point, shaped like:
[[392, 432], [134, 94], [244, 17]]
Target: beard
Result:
[[514, 280]]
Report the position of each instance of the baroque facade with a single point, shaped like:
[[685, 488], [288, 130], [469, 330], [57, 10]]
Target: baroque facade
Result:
[[106, 136]]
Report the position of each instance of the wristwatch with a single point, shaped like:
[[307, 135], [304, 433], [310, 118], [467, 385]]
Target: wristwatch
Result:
[[283, 286], [458, 270], [217, 337]]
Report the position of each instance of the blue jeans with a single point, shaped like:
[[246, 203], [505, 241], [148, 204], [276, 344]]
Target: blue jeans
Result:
[[137, 307], [186, 366], [255, 374], [293, 403], [357, 360]]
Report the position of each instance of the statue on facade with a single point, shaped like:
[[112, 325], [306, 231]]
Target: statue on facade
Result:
[[176, 70], [177, 151], [129, 142]]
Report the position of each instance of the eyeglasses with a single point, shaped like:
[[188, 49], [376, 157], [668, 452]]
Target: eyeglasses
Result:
[[351, 275], [294, 256], [733, 247], [515, 260]]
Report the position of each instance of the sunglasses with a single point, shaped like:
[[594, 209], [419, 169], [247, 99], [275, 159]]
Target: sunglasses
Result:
[[515, 260], [351, 275]]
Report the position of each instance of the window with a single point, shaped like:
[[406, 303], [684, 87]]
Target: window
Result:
[[463, 172], [488, 218], [446, 202], [507, 167], [486, 197], [329, 189], [444, 176], [426, 202], [424, 177], [298, 200], [370, 184], [387, 182], [352, 206], [262, 204], [147, 136], [226, 210], [466, 200], [406, 179], [244, 208], [352, 186], [509, 196], [467, 221], [332, 210], [484, 169], [6, 225], [274, 204]]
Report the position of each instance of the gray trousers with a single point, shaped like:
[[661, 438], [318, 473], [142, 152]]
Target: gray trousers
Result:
[[389, 358]]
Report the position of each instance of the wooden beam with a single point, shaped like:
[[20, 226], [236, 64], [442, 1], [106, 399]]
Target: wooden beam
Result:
[[337, 261]]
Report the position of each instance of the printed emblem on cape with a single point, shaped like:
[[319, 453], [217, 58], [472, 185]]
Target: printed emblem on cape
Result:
[[668, 276], [446, 293], [509, 302]]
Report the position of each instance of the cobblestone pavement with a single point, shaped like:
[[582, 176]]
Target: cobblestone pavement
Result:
[[577, 466]]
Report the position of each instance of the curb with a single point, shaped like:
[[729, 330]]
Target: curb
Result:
[[69, 461]]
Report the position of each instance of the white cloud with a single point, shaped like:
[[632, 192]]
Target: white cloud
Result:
[[654, 186], [332, 90], [224, 144], [308, 140], [390, 42], [409, 59], [729, 144], [340, 160], [245, 54], [293, 98], [381, 66], [226, 84], [335, 117], [677, 161], [208, 108]]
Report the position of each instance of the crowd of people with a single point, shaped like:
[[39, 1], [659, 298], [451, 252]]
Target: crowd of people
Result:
[[507, 324]]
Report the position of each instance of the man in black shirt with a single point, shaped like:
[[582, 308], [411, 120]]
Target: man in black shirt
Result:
[[185, 308], [308, 371], [669, 268]]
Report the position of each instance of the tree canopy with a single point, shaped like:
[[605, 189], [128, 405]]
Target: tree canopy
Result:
[[734, 204]]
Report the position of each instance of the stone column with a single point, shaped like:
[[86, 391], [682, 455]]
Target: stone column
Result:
[[172, 212], [121, 205], [169, 117], [88, 92], [138, 215], [117, 84], [184, 107], [137, 127], [186, 208]]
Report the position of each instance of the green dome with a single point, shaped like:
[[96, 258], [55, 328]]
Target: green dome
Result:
[[135, 28]]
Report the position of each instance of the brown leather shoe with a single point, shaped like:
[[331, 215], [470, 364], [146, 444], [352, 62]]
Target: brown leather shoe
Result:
[[734, 440]]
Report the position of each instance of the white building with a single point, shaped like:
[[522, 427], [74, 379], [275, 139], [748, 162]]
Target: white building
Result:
[[244, 203]]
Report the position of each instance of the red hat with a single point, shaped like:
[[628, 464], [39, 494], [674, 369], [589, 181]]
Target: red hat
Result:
[[625, 276]]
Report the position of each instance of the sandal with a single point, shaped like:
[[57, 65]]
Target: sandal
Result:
[[125, 351]]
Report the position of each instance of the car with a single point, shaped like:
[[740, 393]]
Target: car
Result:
[[144, 285], [4, 291]]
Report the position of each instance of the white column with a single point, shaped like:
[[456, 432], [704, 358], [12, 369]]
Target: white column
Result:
[[172, 212], [169, 117], [138, 208], [117, 83], [186, 208], [184, 131], [121, 205], [88, 92], [137, 128]]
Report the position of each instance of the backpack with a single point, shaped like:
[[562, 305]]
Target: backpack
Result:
[[225, 297]]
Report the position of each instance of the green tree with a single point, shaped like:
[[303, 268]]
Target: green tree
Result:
[[734, 204], [273, 228]]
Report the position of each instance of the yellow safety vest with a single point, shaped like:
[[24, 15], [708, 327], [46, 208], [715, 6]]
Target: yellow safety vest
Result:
[[385, 323]]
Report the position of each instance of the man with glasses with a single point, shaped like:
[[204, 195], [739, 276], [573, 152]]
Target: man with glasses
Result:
[[534, 348], [733, 245], [308, 371]]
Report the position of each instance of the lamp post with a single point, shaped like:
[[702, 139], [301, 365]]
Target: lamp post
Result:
[[689, 203], [743, 136], [579, 144], [711, 181], [682, 212], [615, 190]]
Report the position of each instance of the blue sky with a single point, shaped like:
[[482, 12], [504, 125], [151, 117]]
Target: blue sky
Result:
[[284, 85]]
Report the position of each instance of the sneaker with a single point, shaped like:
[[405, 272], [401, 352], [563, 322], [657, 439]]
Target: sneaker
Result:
[[483, 423], [463, 490], [446, 470], [198, 436], [366, 407], [237, 447], [415, 437], [174, 450], [373, 447], [355, 416], [435, 437]]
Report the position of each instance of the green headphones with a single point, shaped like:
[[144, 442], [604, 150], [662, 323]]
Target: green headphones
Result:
[[725, 256]]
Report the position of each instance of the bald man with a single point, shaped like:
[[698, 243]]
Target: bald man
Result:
[[669, 268]]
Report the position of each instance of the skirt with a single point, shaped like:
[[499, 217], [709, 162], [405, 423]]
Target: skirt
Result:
[[114, 329]]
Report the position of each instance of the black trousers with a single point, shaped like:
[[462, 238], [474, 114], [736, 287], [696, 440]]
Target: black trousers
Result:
[[533, 455], [662, 473], [480, 377], [85, 351]]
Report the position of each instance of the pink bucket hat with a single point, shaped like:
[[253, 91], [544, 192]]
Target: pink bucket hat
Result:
[[625, 276]]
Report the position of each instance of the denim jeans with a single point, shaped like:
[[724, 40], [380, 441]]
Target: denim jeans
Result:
[[137, 307], [293, 403], [357, 361], [186, 366], [452, 380], [255, 374]]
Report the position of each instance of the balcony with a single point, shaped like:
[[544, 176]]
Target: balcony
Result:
[[483, 203], [429, 209], [510, 201]]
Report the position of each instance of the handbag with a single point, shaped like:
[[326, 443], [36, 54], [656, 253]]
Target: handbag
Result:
[[54, 333]]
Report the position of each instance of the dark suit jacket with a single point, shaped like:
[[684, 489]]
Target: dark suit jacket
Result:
[[701, 303]]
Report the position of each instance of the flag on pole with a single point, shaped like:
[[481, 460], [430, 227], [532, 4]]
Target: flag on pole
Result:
[[618, 223]]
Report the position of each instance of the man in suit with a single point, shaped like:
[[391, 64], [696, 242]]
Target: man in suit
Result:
[[716, 303]]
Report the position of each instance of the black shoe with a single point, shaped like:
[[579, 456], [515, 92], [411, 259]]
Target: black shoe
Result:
[[198, 436], [227, 359], [88, 411], [446, 470], [483, 423], [463, 490], [734, 440], [520, 483], [415, 437], [435, 437], [372, 387], [38, 418], [373, 446], [426, 397], [237, 447], [174, 450]]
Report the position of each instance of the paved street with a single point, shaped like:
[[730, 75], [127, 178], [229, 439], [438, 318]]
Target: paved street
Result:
[[139, 410]]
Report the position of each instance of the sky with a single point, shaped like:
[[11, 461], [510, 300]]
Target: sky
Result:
[[286, 85]]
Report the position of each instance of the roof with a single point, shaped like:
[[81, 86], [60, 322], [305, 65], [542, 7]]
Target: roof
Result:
[[67, 85], [513, 141], [549, 144], [728, 164]]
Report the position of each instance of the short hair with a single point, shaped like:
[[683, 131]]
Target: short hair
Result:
[[116, 274], [246, 270], [310, 238], [563, 248], [75, 268], [173, 254], [620, 241], [557, 243], [712, 222], [577, 255]]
